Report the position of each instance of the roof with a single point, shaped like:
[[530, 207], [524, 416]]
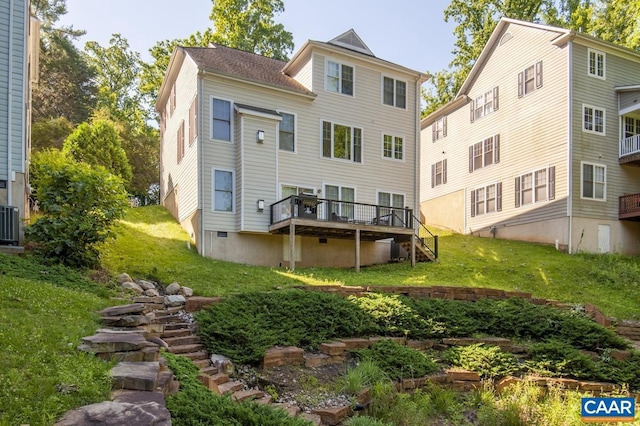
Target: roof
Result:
[[226, 61]]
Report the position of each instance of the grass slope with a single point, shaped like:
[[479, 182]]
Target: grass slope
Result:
[[151, 244]]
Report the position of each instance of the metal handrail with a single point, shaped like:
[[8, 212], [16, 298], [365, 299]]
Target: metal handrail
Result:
[[428, 241]]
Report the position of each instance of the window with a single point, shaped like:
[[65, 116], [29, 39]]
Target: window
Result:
[[631, 127], [535, 187], [395, 208], [339, 78], [439, 129], [392, 147], [289, 190], [193, 120], [487, 199], [340, 193], [530, 79], [484, 153], [596, 63], [180, 141], [287, 132], [593, 120], [594, 181], [439, 173], [172, 100], [394, 92], [484, 104], [221, 119], [223, 191], [341, 142]]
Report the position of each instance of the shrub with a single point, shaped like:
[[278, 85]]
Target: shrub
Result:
[[559, 358], [398, 361], [79, 204], [365, 374], [488, 361]]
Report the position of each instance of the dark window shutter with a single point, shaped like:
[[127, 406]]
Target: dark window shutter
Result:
[[471, 159], [473, 203], [499, 196], [521, 84], [496, 149], [433, 175], [495, 98], [434, 131], [538, 74], [472, 112], [552, 183], [517, 192], [444, 126], [444, 171]]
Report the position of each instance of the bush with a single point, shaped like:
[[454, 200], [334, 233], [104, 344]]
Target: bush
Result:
[[488, 361], [79, 204], [398, 361]]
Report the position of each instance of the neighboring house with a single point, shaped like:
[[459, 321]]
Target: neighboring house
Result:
[[540, 144], [19, 47], [311, 162]]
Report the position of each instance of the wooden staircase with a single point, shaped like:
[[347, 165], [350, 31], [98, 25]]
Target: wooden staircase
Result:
[[422, 254]]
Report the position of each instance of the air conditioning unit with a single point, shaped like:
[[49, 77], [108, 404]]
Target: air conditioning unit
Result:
[[9, 225]]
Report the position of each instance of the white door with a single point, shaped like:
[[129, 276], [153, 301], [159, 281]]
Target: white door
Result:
[[604, 238]]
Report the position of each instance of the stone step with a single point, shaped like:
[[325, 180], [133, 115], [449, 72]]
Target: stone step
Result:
[[182, 340], [247, 395], [142, 376], [176, 333], [202, 363], [230, 387], [182, 349], [178, 326], [197, 356], [164, 382], [210, 370], [219, 378], [169, 319], [265, 400]]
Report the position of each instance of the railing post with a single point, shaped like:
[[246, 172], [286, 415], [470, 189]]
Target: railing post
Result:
[[293, 206], [435, 246]]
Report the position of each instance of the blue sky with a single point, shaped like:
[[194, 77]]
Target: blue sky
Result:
[[411, 33]]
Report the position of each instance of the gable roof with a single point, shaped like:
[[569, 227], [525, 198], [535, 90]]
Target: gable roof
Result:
[[238, 64], [350, 40]]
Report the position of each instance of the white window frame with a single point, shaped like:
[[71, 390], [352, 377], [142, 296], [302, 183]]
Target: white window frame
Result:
[[484, 199], [394, 143], [593, 122], [548, 173], [295, 126], [594, 182], [352, 154], [231, 118], [349, 212], [340, 89], [213, 190], [439, 129], [395, 92], [479, 150], [386, 210], [595, 62]]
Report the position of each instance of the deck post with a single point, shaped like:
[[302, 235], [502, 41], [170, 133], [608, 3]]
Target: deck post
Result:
[[357, 250], [413, 250], [292, 246]]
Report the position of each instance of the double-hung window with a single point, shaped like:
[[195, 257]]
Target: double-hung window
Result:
[[530, 79], [486, 199], [596, 64], [631, 127], [180, 141], [484, 104], [193, 120], [439, 129], [287, 132], [339, 78], [221, 119], [594, 181], [593, 119], [439, 173], [223, 189], [344, 197], [393, 147], [484, 153], [535, 187], [393, 211], [342, 142], [394, 92]]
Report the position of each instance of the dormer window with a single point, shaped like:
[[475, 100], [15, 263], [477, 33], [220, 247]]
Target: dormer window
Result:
[[339, 78]]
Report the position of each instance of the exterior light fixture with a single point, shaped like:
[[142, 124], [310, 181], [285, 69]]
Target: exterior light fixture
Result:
[[260, 136], [260, 205]]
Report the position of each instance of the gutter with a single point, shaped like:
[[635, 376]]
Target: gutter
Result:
[[570, 147], [200, 172], [10, 103]]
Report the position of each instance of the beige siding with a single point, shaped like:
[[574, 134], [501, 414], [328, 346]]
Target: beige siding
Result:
[[184, 174], [532, 129], [305, 75], [630, 99]]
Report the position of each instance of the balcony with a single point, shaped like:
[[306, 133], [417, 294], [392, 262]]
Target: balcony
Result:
[[630, 151], [310, 216], [629, 207]]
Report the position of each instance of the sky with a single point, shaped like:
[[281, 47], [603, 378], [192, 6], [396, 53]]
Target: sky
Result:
[[411, 33]]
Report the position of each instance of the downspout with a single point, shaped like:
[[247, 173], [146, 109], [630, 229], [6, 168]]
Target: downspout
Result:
[[570, 147], [10, 104], [416, 161], [200, 172]]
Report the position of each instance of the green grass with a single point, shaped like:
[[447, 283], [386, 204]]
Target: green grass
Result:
[[42, 374], [152, 245]]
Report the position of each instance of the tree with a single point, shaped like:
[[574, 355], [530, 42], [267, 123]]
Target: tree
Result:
[[618, 21], [98, 144], [79, 204], [51, 133]]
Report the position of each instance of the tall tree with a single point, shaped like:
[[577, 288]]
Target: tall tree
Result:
[[618, 21]]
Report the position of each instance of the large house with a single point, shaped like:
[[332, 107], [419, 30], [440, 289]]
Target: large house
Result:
[[19, 47], [541, 143], [310, 162]]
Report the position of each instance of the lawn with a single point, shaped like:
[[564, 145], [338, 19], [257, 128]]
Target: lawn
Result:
[[150, 244]]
